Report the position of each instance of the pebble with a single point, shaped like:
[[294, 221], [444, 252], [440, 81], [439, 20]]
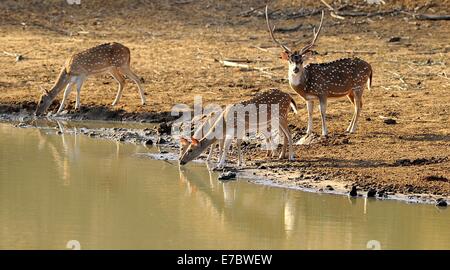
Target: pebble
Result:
[[390, 121], [227, 176], [148, 142], [441, 202], [371, 193]]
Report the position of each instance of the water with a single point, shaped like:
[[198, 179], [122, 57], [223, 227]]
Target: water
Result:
[[108, 195]]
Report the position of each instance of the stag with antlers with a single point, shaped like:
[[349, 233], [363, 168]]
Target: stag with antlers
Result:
[[339, 78]]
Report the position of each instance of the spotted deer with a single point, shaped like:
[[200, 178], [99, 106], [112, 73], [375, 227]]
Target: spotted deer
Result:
[[206, 122], [228, 120], [113, 58], [339, 78]]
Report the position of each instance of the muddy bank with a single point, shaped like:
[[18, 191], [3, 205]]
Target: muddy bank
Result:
[[300, 174], [96, 112]]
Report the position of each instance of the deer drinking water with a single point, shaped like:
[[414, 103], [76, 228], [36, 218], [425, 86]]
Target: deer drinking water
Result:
[[113, 58], [339, 78], [229, 121]]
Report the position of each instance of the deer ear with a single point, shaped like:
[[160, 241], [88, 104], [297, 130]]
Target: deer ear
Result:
[[195, 141], [183, 141], [284, 56]]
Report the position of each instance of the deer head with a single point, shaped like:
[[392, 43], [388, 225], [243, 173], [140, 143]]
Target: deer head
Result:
[[44, 102], [193, 150], [296, 58]]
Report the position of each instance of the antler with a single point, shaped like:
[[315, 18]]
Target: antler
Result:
[[316, 35], [271, 32]]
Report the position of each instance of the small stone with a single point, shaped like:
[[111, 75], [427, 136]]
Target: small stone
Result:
[[262, 167], [394, 39], [371, 193], [148, 142], [382, 194], [441, 202], [227, 176], [329, 187], [353, 192], [390, 121]]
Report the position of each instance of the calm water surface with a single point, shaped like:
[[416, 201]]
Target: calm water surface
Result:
[[108, 195]]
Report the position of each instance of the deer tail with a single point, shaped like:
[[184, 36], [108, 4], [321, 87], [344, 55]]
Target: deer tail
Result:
[[369, 82]]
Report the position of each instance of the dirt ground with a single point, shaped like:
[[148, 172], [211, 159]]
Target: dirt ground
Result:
[[174, 45]]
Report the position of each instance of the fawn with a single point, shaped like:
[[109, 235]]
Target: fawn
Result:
[[227, 124], [339, 78], [113, 58]]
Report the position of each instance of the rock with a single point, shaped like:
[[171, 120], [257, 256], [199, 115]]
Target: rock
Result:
[[345, 141], [390, 121], [371, 193], [161, 141], [382, 194], [163, 128], [227, 176], [262, 167], [148, 142], [329, 187], [353, 192], [441, 202], [394, 39]]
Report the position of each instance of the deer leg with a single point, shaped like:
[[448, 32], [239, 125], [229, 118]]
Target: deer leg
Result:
[[226, 148], [121, 80], [323, 114], [80, 82], [211, 148], [239, 153], [287, 139], [283, 147], [127, 71], [66, 94], [351, 97], [309, 129], [221, 143], [309, 107], [358, 105]]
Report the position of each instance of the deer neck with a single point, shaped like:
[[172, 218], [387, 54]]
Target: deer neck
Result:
[[60, 83], [297, 81]]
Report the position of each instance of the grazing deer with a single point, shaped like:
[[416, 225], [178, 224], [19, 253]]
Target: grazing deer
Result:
[[113, 58], [228, 119], [339, 78]]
